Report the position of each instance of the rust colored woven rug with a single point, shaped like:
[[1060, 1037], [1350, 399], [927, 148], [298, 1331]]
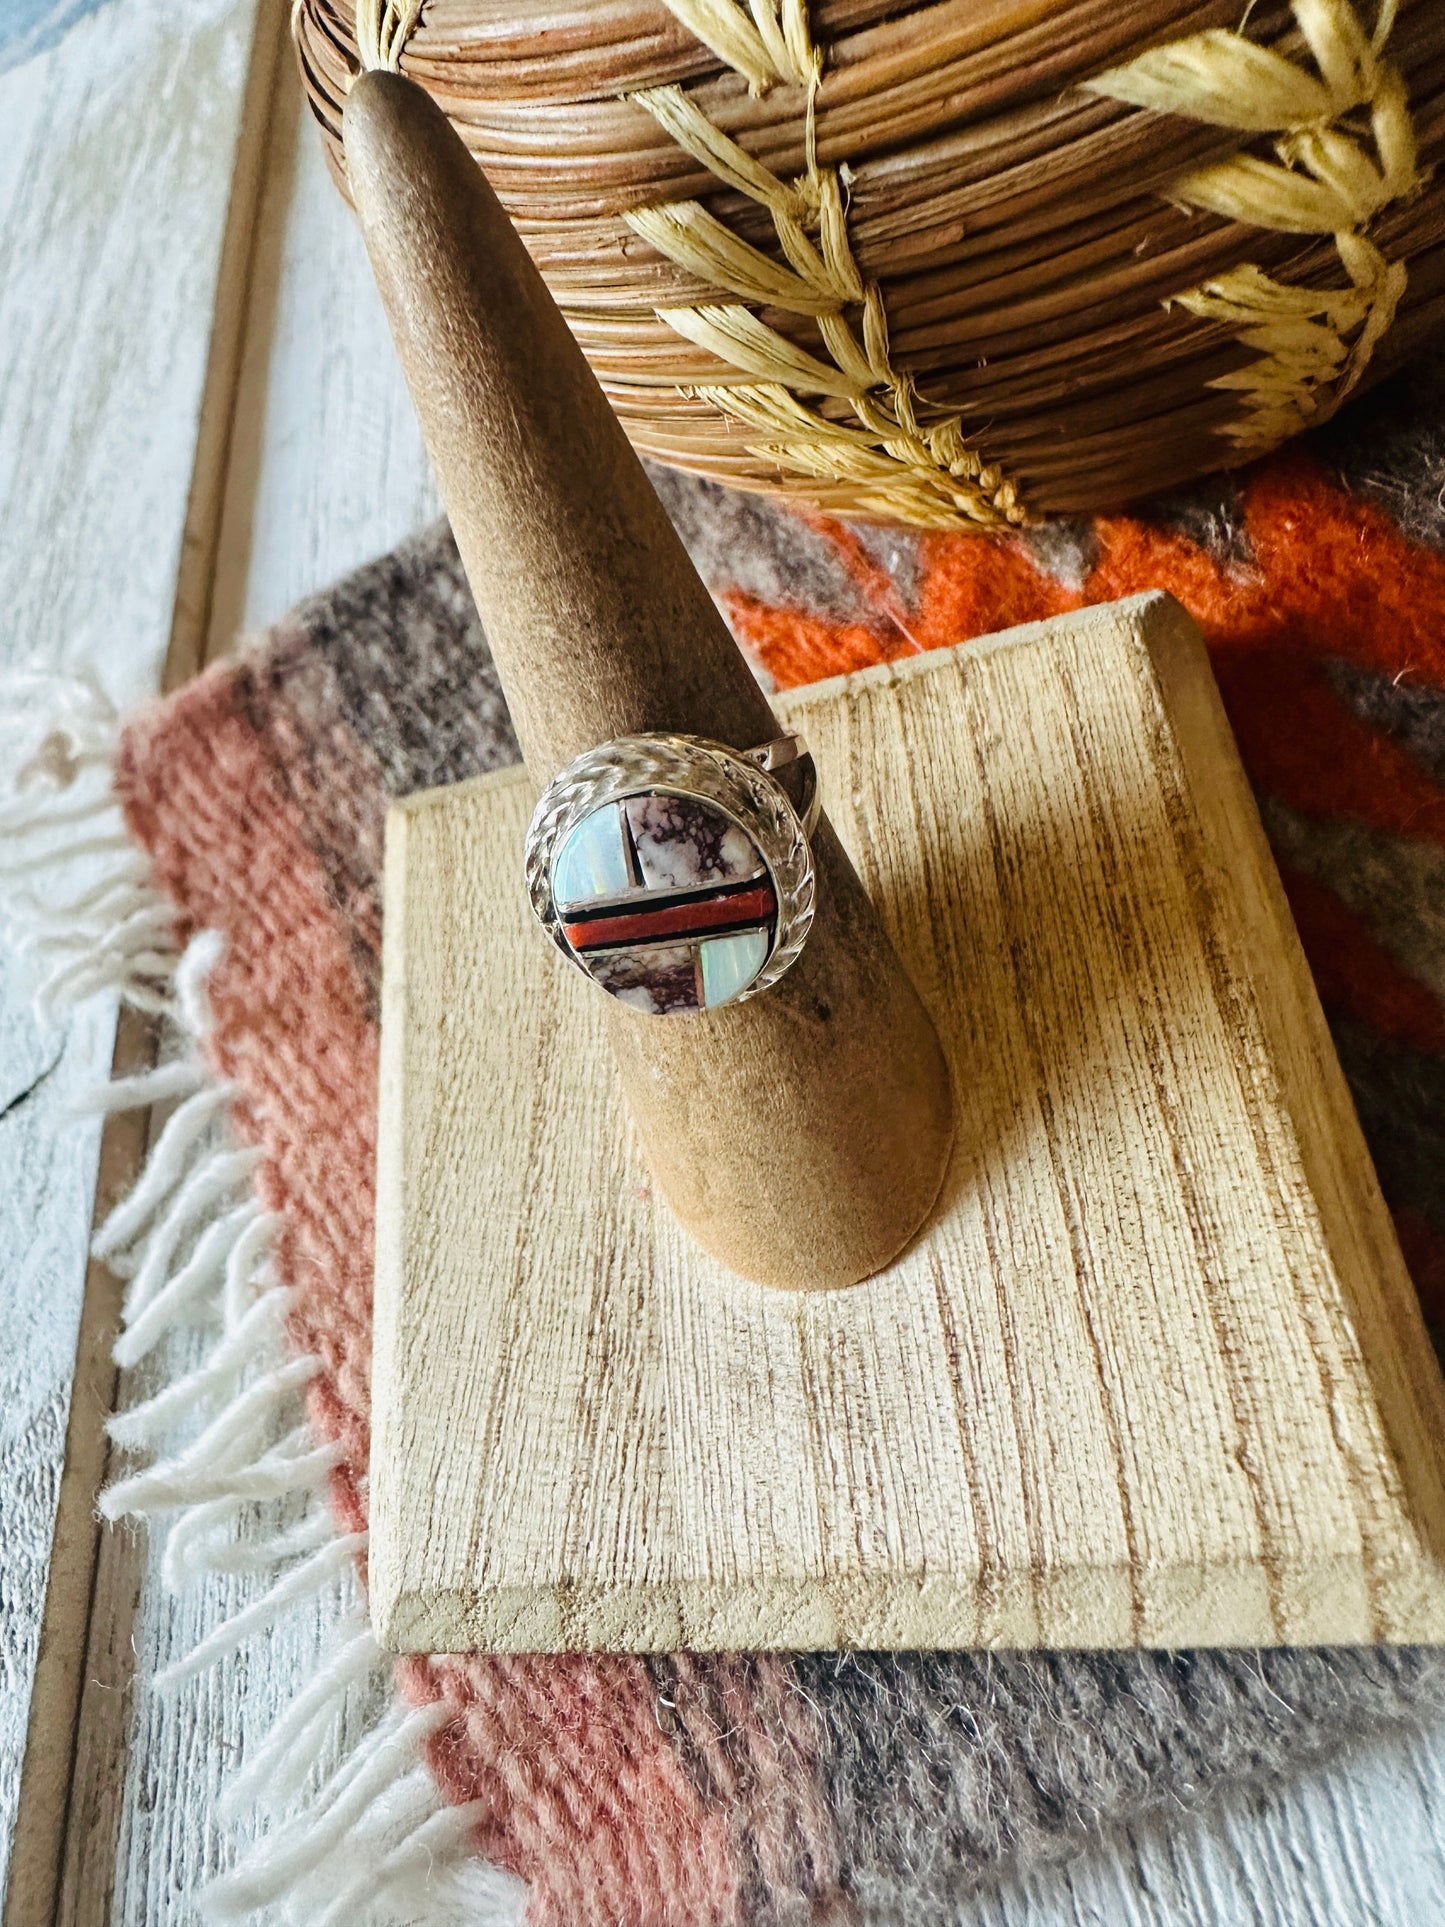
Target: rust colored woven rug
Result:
[[696, 1791]]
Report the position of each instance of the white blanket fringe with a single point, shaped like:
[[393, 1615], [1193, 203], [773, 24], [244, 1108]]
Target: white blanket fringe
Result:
[[304, 1581], [81, 906], [207, 1266], [246, 1337], [375, 1846], [177, 1079], [167, 1164], [281, 1765]]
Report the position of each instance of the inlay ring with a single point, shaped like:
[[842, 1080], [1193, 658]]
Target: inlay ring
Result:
[[674, 871]]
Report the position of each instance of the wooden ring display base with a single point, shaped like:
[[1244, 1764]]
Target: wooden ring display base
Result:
[[1154, 1375]]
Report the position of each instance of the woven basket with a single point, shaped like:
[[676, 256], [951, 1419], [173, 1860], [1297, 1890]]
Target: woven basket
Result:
[[960, 263]]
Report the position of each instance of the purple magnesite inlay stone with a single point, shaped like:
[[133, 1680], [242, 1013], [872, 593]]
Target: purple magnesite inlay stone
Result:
[[656, 978], [683, 844]]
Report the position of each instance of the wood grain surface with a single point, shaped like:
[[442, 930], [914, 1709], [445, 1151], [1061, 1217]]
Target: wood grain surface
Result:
[[326, 468], [1154, 1373]]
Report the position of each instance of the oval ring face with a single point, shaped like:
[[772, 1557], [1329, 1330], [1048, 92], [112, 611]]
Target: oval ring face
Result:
[[666, 901], [673, 871]]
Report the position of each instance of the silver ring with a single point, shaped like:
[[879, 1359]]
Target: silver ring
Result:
[[674, 871]]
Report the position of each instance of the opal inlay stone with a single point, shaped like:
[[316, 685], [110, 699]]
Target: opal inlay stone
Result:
[[729, 964], [594, 861], [666, 902]]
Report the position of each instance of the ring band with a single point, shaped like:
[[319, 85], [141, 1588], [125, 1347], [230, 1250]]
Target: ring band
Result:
[[782, 750], [778, 754], [674, 871]]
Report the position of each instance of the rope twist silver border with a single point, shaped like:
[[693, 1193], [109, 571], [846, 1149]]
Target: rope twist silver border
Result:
[[739, 782]]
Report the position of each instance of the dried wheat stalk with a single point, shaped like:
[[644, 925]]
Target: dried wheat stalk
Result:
[[962, 262]]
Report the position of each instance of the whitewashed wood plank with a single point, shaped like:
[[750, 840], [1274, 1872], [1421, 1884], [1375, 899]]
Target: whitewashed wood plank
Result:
[[1360, 1841], [49, 1163], [326, 468], [114, 185], [29, 27], [114, 180]]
